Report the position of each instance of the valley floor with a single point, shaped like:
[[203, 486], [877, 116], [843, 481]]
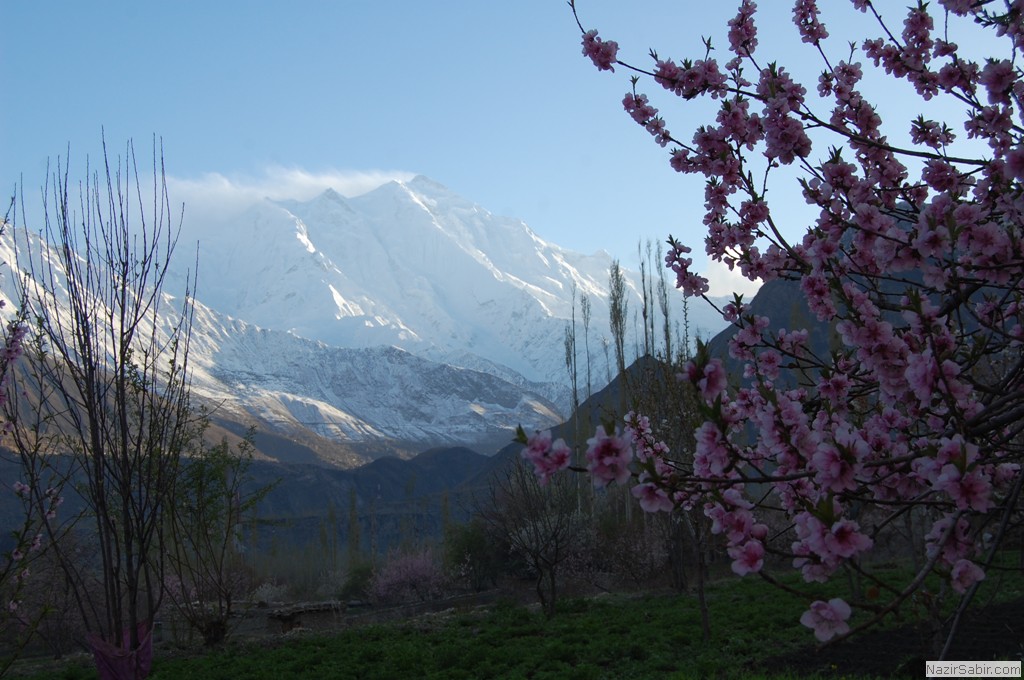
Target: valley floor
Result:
[[755, 633]]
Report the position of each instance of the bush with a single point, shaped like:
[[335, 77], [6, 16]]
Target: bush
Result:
[[408, 577]]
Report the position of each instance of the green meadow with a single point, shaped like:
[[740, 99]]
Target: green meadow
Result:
[[654, 635]]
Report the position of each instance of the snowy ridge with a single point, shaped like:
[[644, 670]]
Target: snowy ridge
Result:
[[352, 394], [408, 264], [407, 314]]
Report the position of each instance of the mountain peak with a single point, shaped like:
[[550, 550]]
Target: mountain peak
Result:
[[422, 182], [330, 194]]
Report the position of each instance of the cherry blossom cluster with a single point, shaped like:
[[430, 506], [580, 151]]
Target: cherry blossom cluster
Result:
[[600, 52], [546, 457], [915, 260], [653, 460], [608, 456]]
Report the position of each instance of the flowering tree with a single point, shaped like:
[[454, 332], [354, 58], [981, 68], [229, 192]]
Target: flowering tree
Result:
[[406, 577], [915, 262]]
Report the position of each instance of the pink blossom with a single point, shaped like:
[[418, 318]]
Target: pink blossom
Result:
[[711, 457], [921, 373], [968, 490], [940, 175], [834, 387], [647, 448], [956, 542], [811, 532], [832, 471], [538, 444], [917, 40], [711, 380], [608, 458], [742, 126], [1015, 163], [601, 52], [827, 619], [734, 498], [965, 574], [820, 548], [958, 75], [652, 499], [845, 539], [547, 457], [960, 7], [747, 558], [737, 523], [930, 133], [780, 93], [639, 108], [785, 138], [691, 284], [847, 75], [805, 16], [1004, 474], [768, 363], [998, 77], [691, 79], [742, 31], [992, 123]]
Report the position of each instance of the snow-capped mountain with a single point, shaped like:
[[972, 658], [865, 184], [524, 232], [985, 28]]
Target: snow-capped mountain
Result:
[[297, 385], [406, 314], [408, 264]]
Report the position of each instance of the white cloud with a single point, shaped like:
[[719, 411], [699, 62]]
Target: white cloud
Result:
[[724, 282], [214, 196]]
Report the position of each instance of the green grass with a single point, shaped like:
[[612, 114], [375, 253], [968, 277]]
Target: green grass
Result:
[[608, 637], [655, 636]]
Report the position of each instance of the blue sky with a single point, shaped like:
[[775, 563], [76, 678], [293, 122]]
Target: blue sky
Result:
[[492, 99]]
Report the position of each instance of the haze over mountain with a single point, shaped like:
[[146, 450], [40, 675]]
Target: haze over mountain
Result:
[[406, 315]]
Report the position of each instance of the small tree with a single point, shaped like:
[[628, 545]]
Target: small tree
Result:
[[111, 389], [541, 524], [207, 572]]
